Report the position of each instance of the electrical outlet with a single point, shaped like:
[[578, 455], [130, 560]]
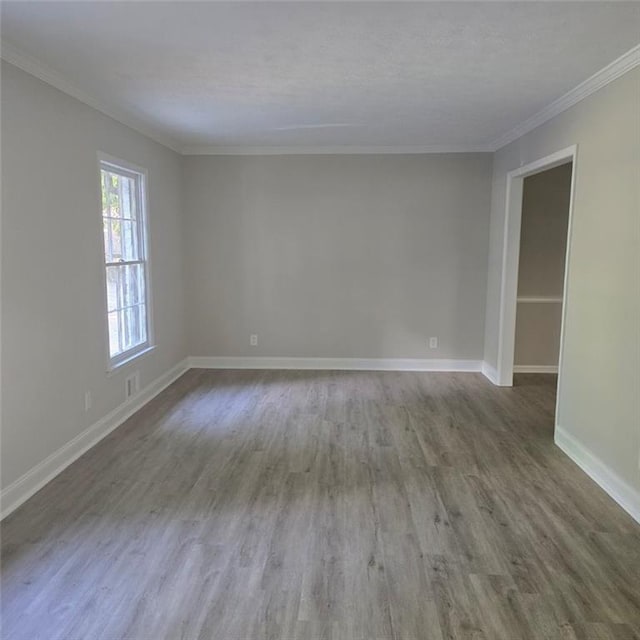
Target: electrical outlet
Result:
[[433, 343], [131, 385], [88, 401], [253, 340]]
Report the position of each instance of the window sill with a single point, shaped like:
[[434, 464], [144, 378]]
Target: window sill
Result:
[[115, 368]]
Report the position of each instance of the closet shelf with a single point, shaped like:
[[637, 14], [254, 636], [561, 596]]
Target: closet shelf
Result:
[[539, 299]]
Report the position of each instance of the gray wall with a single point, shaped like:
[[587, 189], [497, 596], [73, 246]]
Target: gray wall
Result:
[[543, 233], [53, 337], [538, 335], [543, 244], [599, 403], [337, 256]]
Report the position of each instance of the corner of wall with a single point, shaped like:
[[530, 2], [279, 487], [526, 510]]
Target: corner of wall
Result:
[[490, 372]]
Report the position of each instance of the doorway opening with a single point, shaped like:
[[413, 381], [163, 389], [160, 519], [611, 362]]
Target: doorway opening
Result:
[[541, 267], [535, 268]]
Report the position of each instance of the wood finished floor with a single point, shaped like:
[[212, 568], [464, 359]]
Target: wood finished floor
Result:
[[246, 505]]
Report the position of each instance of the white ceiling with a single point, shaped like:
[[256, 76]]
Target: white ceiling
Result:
[[322, 74]]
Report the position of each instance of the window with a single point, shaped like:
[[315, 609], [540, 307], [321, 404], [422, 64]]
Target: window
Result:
[[125, 260]]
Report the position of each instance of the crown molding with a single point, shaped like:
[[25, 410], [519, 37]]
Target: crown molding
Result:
[[34, 67], [215, 150], [12, 54], [611, 72]]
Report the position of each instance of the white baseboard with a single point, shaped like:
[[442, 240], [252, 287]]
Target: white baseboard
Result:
[[346, 364], [623, 493], [535, 368], [24, 487], [489, 372]]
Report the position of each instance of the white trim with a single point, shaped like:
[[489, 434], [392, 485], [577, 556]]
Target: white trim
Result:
[[564, 156], [122, 165], [539, 299], [116, 368], [215, 150], [565, 283], [535, 368], [141, 177], [24, 487], [509, 271], [511, 256], [623, 493], [34, 67], [346, 364], [611, 72], [490, 372]]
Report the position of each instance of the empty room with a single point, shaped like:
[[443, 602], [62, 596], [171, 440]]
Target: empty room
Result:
[[320, 320]]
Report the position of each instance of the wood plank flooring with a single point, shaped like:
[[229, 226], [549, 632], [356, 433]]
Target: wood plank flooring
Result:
[[301, 505]]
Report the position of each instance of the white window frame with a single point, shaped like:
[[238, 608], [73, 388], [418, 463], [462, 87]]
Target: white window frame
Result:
[[140, 174]]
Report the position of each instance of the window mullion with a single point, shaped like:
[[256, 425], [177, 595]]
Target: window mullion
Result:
[[141, 322], [124, 263], [120, 303], [119, 194], [108, 203], [130, 306], [119, 317]]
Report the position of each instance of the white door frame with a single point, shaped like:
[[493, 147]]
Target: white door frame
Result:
[[511, 257]]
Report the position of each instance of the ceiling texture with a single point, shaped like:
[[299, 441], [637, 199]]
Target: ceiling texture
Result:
[[244, 76]]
